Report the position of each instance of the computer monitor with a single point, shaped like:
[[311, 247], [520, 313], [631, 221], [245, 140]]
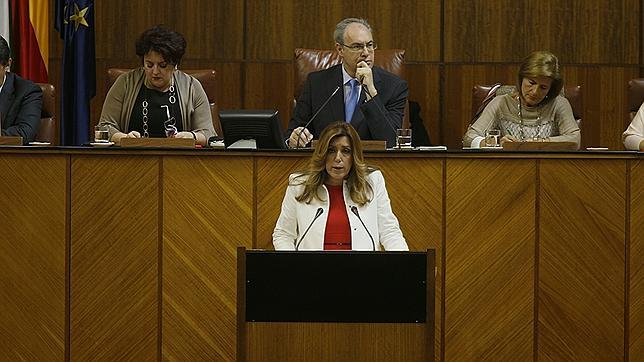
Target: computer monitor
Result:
[[252, 129]]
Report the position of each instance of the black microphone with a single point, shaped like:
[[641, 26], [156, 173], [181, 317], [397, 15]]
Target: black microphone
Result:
[[384, 114], [355, 211], [317, 214], [297, 142]]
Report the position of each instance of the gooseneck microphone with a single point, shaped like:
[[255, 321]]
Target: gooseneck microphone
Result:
[[354, 210], [299, 136], [317, 214], [384, 114]]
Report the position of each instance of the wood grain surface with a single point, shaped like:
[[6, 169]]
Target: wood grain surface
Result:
[[581, 265], [533, 251], [489, 259], [33, 257], [636, 264], [207, 213], [337, 342], [114, 257]]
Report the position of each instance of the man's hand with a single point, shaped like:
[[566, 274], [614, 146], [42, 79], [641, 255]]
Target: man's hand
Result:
[[365, 76], [297, 141]]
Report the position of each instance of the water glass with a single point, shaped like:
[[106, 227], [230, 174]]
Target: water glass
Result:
[[101, 134], [403, 138], [492, 137]]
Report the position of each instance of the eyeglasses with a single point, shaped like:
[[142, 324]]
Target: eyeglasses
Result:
[[371, 46]]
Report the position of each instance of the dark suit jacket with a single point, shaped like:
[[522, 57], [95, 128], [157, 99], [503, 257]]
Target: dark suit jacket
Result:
[[20, 107], [376, 119]]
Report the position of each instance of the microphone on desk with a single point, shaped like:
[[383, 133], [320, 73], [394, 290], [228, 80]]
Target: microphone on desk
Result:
[[354, 210], [384, 114], [317, 214], [299, 136]]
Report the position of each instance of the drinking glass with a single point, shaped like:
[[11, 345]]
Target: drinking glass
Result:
[[403, 138], [101, 134], [492, 137]]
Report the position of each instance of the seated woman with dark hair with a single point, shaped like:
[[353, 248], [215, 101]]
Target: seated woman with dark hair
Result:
[[158, 100], [633, 137], [536, 111], [325, 206]]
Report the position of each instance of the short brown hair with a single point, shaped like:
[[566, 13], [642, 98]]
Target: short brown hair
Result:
[[542, 63]]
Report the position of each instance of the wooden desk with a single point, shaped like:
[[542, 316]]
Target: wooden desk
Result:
[[112, 253]]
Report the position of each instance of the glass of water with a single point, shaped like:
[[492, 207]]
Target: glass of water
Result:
[[403, 138], [101, 134], [492, 137]]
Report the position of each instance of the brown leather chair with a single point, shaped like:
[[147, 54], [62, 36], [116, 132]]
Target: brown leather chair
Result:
[[48, 127], [481, 92], [207, 78], [311, 60], [635, 94]]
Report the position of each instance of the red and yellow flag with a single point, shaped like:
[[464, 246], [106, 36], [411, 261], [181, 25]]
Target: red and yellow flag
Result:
[[24, 24]]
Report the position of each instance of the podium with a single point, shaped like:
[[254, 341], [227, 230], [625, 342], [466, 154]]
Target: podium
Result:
[[335, 306]]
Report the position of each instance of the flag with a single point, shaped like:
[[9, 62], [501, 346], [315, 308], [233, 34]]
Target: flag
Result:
[[75, 23], [25, 26]]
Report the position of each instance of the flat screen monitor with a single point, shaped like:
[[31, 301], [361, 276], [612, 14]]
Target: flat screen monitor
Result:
[[241, 126]]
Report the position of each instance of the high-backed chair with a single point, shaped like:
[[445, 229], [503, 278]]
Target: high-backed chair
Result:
[[481, 93], [311, 60], [48, 127], [207, 79], [635, 96]]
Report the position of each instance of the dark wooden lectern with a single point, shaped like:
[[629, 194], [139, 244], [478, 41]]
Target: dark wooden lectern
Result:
[[335, 306]]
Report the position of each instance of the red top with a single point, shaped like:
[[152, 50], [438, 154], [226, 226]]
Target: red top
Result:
[[337, 235]]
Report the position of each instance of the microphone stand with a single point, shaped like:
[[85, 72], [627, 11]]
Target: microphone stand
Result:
[[299, 136]]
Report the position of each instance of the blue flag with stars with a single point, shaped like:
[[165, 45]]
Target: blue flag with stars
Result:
[[75, 23]]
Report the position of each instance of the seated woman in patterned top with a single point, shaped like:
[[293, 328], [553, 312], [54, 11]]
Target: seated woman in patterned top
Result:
[[534, 112]]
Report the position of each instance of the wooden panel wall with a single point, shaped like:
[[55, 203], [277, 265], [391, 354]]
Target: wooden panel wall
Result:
[[582, 260], [33, 257], [132, 255], [636, 254], [114, 315], [205, 216], [489, 301], [450, 46]]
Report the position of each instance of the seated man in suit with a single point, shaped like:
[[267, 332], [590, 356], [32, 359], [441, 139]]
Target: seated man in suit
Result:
[[20, 100], [371, 99]]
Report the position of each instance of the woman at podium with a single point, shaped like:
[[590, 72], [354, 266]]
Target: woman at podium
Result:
[[157, 99], [338, 202]]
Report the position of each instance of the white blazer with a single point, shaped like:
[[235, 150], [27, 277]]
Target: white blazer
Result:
[[296, 217]]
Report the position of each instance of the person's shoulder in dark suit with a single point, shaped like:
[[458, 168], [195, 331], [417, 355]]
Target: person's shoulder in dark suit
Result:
[[23, 115], [389, 79]]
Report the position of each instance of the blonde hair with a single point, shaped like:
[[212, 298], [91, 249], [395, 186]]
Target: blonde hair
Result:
[[542, 63], [314, 176]]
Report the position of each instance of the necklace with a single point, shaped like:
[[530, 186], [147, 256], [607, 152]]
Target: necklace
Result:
[[521, 126], [170, 123]]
